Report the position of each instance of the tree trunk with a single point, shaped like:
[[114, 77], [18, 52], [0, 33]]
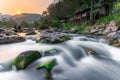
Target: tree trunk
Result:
[[91, 12]]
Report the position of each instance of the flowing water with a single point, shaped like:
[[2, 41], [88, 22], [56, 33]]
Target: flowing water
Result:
[[74, 60]]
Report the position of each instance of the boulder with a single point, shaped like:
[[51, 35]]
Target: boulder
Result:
[[10, 39], [26, 58], [54, 40], [111, 28]]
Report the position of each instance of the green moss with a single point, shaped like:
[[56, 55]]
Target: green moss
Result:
[[22, 61], [48, 65], [55, 41]]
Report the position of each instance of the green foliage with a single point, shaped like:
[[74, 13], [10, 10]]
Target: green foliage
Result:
[[79, 28], [5, 23], [116, 7], [24, 24], [109, 18], [83, 28], [43, 26], [67, 26], [56, 23]]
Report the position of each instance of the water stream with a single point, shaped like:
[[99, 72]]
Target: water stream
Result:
[[74, 61]]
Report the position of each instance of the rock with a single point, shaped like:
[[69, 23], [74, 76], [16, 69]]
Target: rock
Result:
[[48, 65], [111, 28], [9, 33], [93, 31], [1, 30], [51, 52], [31, 33], [73, 30], [54, 40], [116, 45], [26, 58], [10, 39]]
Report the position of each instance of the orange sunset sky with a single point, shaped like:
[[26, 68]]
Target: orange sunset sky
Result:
[[23, 6]]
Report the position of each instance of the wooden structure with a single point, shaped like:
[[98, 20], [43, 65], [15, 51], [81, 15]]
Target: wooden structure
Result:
[[83, 16]]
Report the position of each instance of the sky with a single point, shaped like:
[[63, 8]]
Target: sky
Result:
[[23, 6]]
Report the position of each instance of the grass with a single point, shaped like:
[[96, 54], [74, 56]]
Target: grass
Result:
[[79, 28], [107, 19]]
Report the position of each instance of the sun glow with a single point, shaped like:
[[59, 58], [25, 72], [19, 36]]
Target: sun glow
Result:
[[18, 12]]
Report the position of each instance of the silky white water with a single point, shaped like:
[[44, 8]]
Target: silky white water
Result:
[[74, 62]]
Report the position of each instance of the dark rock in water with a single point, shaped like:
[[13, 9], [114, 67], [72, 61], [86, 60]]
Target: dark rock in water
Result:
[[1, 30], [51, 52], [10, 39], [55, 40], [26, 58]]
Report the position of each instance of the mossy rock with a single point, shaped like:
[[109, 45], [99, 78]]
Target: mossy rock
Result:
[[116, 45], [55, 40], [48, 65], [26, 58]]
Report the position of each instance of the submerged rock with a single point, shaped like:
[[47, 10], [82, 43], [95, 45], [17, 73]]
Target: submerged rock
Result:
[[26, 58], [51, 52]]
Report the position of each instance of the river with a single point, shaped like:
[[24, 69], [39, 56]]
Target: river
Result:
[[74, 60]]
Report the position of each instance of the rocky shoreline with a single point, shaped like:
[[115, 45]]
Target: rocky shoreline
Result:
[[109, 31]]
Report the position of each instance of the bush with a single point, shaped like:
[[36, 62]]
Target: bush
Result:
[[80, 28], [56, 23], [67, 26], [43, 26], [108, 18], [116, 8]]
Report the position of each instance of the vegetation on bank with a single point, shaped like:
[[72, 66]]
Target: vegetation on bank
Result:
[[78, 28], [107, 19]]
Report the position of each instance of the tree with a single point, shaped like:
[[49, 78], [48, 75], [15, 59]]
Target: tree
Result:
[[91, 12], [24, 24]]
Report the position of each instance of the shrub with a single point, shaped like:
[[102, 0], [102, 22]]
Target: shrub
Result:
[[108, 18]]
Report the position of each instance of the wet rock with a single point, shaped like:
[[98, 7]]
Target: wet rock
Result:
[[1, 30], [54, 40], [10, 39], [26, 58], [48, 65], [116, 45], [9, 33]]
